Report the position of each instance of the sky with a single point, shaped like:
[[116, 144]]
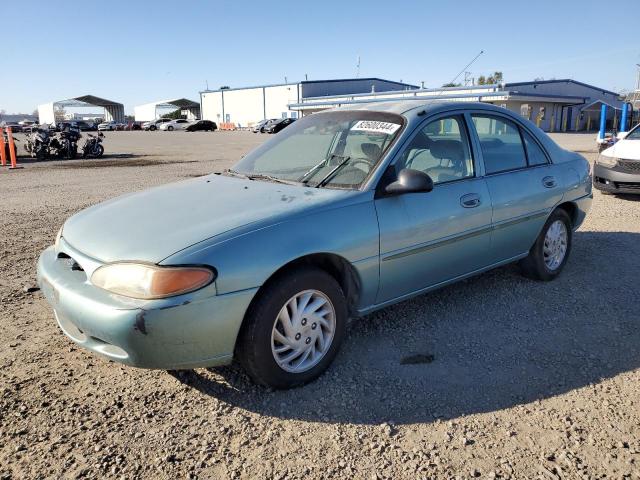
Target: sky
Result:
[[140, 51]]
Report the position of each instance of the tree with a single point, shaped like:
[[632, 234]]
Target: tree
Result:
[[175, 115], [450, 84], [492, 79]]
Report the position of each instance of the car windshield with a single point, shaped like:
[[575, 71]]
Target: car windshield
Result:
[[634, 134], [336, 149]]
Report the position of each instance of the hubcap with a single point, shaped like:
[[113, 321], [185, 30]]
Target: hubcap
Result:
[[303, 331], [555, 245]]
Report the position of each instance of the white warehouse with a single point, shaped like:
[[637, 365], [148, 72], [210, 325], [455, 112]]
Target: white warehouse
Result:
[[246, 106]]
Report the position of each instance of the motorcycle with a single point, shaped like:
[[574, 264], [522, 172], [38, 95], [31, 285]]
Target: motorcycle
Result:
[[65, 144], [37, 143], [92, 146]]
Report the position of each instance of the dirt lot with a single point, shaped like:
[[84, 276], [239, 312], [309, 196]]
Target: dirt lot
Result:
[[520, 379]]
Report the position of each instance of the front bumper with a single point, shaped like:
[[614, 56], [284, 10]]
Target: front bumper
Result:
[[615, 179], [188, 331]]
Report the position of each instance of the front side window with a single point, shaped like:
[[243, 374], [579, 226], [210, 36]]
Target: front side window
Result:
[[441, 150], [501, 144], [334, 149]]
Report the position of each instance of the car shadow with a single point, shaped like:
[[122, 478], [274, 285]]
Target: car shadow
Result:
[[482, 345]]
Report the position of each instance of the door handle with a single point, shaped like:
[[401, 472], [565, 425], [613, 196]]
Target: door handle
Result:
[[470, 200], [549, 182]]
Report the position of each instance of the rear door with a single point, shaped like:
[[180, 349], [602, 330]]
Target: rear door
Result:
[[429, 238], [521, 181]]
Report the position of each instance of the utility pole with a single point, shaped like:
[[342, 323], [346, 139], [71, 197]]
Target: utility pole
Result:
[[358, 68], [635, 96]]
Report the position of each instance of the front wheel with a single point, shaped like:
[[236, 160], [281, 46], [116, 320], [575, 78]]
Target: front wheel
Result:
[[294, 329], [99, 151], [170, 128], [549, 254]]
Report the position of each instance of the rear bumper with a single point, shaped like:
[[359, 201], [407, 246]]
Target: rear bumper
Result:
[[615, 180], [187, 331]]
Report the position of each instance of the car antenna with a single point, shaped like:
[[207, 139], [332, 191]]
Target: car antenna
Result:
[[422, 112]]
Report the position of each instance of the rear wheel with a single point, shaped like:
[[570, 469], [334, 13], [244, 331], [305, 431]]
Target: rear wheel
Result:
[[99, 151], [294, 329], [549, 254]]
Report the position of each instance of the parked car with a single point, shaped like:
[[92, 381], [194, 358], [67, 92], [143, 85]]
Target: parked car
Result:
[[179, 124], [617, 169], [15, 126], [275, 127], [133, 126], [267, 124], [154, 124], [87, 126], [256, 128], [205, 125], [79, 125], [108, 126], [343, 213]]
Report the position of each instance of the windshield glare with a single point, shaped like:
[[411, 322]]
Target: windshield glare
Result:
[[344, 145]]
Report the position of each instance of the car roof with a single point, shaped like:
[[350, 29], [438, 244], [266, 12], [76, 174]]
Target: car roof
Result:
[[429, 106]]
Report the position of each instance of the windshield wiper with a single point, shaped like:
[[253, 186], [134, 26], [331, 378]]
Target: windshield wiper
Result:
[[234, 173], [259, 176], [316, 167], [262, 176], [333, 171]]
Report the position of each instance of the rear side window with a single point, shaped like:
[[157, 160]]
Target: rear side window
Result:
[[501, 143], [535, 155]]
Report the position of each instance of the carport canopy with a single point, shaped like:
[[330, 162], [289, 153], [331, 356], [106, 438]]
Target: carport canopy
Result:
[[150, 111], [113, 111]]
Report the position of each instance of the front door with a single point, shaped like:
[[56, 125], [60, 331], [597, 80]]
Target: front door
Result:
[[429, 238]]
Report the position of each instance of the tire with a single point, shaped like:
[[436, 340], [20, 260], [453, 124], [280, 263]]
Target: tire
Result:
[[170, 128], [152, 128], [258, 337], [99, 151], [537, 266]]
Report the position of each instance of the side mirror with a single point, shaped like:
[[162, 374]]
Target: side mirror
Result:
[[410, 181]]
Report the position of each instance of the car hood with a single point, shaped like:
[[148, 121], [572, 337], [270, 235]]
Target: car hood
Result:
[[154, 224], [626, 149]]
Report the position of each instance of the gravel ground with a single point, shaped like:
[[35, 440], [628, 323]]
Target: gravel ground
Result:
[[515, 379]]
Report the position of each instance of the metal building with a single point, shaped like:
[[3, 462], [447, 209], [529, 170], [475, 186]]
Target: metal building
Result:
[[53, 112], [554, 105], [154, 110], [248, 105]]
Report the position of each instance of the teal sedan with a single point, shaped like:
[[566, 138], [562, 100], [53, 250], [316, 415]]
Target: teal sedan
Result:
[[342, 213]]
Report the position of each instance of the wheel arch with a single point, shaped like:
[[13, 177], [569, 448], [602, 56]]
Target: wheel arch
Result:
[[335, 265], [572, 210]]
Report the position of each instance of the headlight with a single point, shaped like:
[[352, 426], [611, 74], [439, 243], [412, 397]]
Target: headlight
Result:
[[606, 161], [58, 237], [137, 280]]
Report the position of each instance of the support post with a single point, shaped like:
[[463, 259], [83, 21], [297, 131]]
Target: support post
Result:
[[623, 120], [3, 149], [12, 151], [603, 122]]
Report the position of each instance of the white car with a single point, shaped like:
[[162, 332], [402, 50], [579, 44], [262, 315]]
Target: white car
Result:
[[617, 169], [154, 124], [107, 126], [179, 124]]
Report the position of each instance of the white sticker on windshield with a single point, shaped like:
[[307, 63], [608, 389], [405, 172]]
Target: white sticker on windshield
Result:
[[373, 126]]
